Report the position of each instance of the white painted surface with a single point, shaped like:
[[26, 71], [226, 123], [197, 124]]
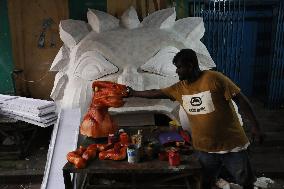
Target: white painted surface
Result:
[[101, 21], [72, 31], [129, 19], [64, 139], [128, 52], [35, 111]]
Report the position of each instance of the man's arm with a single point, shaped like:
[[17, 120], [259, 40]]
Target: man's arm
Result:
[[247, 111], [153, 93]]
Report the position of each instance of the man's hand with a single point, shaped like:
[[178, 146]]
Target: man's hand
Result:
[[129, 91], [153, 93]]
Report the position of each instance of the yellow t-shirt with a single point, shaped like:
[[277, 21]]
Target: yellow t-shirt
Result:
[[215, 125]]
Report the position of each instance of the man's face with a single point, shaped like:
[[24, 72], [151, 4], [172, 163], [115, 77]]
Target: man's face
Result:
[[183, 70]]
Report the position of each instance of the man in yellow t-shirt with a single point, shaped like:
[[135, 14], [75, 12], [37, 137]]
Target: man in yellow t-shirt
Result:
[[217, 135]]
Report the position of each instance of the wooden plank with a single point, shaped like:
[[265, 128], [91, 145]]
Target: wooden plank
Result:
[[143, 181], [26, 18], [117, 7], [163, 4], [16, 29], [64, 139], [143, 7]]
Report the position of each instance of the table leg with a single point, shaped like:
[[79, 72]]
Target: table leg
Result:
[[198, 181], [187, 183], [67, 179], [133, 181], [85, 181]]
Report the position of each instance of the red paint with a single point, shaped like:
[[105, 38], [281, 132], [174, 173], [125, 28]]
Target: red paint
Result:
[[123, 138], [174, 158]]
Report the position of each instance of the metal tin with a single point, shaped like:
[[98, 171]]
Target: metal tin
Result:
[[174, 158], [132, 154]]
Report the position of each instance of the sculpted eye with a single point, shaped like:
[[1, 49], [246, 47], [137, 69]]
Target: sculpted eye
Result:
[[92, 65], [161, 63]]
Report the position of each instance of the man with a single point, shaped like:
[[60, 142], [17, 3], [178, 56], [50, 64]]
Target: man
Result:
[[217, 135]]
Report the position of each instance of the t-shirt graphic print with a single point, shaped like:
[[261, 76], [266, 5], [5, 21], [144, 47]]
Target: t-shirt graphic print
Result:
[[200, 103]]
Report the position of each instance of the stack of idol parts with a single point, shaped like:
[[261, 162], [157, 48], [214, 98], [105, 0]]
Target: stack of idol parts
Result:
[[35, 111]]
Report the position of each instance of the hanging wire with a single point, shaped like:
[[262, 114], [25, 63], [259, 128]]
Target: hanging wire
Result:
[[31, 81]]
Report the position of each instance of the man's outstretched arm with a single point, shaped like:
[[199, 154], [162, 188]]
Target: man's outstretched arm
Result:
[[153, 93], [247, 111]]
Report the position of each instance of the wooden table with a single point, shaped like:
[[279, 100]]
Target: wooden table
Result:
[[147, 174]]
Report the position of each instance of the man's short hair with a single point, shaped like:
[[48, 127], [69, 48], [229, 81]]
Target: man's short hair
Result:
[[186, 56]]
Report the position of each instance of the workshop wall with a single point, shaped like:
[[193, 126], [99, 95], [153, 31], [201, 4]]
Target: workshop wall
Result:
[[245, 39], [143, 7], [32, 58], [78, 9], [6, 64], [35, 36], [35, 41]]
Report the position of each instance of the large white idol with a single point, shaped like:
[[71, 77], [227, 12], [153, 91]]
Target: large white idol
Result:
[[127, 51]]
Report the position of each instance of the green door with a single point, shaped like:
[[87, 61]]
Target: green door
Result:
[[6, 62]]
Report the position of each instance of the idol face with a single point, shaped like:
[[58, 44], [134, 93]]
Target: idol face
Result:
[[127, 51]]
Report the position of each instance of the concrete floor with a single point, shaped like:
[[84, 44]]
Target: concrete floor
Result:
[[268, 159]]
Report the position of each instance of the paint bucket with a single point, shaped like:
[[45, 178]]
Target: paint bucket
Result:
[[174, 158], [132, 154]]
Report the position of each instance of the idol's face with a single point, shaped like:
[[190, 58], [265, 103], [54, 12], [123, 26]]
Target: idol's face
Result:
[[127, 51]]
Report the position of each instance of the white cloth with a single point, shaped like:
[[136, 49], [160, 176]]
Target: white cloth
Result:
[[236, 149]]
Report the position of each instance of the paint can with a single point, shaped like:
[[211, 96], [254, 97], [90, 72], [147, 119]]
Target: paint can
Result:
[[132, 154], [174, 158]]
